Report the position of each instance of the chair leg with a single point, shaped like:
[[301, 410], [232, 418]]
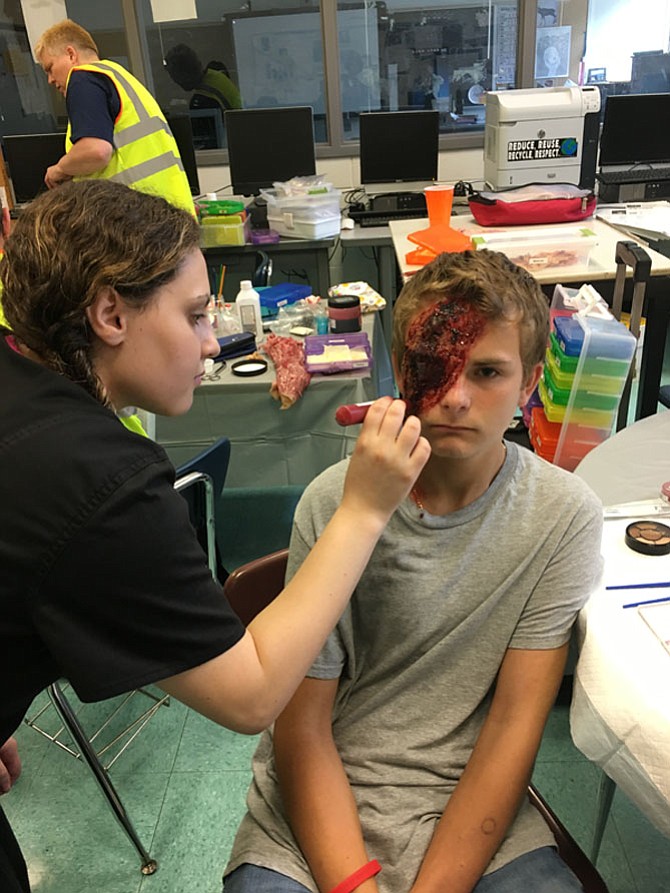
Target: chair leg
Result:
[[87, 752], [606, 790]]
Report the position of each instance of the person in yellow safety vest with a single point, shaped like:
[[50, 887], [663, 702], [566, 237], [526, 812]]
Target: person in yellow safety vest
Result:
[[116, 130], [212, 86]]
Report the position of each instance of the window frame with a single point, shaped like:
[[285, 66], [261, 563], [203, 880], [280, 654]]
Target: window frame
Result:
[[338, 147]]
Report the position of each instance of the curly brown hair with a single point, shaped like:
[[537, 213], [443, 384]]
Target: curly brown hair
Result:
[[73, 241], [486, 280]]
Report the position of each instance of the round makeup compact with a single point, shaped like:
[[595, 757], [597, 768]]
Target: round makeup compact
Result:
[[648, 537], [249, 367]]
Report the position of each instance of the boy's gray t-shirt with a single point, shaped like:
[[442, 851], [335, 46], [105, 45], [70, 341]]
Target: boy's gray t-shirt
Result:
[[418, 650]]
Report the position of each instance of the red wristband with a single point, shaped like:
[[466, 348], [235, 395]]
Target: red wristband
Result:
[[349, 884]]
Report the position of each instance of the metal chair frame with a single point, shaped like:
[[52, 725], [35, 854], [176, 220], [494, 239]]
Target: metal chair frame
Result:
[[85, 746]]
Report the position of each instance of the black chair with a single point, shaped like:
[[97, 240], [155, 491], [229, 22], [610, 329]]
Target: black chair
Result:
[[263, 272], [200, 481], [212, 462], [664, 395], [252, 586]]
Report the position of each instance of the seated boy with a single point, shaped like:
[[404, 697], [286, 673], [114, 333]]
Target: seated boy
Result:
[[412, 741]]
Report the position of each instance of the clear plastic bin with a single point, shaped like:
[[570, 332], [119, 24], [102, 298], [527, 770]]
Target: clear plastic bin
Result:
[[542, 248], [232, 230], [588, 360], [309, 216]]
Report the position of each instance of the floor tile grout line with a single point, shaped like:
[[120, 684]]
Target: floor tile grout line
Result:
[[622, 842]]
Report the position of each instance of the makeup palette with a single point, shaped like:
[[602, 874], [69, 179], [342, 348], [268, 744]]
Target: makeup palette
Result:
[[648, 537]]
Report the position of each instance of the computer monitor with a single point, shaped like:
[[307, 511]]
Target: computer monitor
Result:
[[27, 157], [399, 150], [180, 125], [266, 145], [634, 131]]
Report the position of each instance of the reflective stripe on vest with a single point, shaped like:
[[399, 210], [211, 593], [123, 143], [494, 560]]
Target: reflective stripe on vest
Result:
[[146, 156], [218, 86]]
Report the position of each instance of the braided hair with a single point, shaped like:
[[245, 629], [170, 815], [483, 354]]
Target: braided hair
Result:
[[73, 241]]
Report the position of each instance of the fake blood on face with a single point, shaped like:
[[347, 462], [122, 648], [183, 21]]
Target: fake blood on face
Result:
[[438, 344]]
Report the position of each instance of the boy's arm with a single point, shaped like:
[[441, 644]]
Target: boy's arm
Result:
[[318, 800], [495, 779]]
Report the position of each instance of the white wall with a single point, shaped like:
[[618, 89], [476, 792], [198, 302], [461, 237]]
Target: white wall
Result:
[[344, 173]]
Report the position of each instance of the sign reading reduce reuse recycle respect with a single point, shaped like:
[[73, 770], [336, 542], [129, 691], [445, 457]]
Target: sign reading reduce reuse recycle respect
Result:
[[538, 150]]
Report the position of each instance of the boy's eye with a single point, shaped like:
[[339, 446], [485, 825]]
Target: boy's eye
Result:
[[488, 372]]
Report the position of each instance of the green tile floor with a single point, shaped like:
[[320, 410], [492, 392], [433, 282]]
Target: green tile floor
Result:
[[183, 782]]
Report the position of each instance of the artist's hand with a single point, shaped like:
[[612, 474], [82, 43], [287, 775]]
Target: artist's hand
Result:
[[388, 458], [10, 765], [55, 176], [6, 226]]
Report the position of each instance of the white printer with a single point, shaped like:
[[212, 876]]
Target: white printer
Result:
[[542, 135]]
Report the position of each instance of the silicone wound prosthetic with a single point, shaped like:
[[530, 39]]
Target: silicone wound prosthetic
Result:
[[438, 344]]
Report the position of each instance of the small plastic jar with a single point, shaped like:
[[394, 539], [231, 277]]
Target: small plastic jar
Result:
[[344, 312]]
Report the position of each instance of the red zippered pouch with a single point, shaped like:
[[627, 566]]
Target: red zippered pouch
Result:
[[533, 203]]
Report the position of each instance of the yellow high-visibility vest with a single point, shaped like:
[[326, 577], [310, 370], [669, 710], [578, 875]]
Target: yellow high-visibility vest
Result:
[[145, 154], [217, 85]]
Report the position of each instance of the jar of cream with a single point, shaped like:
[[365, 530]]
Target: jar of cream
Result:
[[344, 312]]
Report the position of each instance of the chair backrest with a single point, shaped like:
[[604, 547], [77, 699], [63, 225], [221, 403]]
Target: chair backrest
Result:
[[213, 461], [252, 586], [209, 465], [568, 848]]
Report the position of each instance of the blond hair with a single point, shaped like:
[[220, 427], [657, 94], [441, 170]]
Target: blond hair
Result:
[[490, 283], [62, 34], [69, 244]]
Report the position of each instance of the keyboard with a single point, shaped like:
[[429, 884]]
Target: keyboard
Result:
[[641, 175], [381, 218]]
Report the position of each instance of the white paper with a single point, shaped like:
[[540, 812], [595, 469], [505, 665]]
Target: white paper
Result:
[[39, 15], [173, 10], [649, 218]]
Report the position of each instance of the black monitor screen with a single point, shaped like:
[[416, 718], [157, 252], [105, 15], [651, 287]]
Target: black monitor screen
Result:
[[27, 157], [180, 125], [634, 129], [399, 147], [266, 145]]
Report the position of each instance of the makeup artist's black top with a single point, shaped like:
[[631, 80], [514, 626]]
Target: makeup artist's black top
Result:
[[102, 578]]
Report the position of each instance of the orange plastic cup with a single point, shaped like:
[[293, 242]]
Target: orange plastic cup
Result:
[[439, 200]]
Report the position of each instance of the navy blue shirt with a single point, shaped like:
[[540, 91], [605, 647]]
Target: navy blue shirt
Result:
[[93, 105]]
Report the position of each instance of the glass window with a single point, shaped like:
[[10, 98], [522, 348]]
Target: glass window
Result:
[[403, 56], [229, 58], [27, 103], [560, 35], [627, 52]]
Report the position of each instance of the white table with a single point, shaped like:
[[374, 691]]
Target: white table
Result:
[[600, 271], [270, 446], [620, 714]]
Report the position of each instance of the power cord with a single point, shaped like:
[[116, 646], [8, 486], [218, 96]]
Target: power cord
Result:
[[462, 189]]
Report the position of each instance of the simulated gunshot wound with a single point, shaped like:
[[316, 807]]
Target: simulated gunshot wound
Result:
[[438, 345]]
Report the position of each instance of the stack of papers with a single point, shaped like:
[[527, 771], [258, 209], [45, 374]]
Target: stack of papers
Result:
[[650, 220]]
